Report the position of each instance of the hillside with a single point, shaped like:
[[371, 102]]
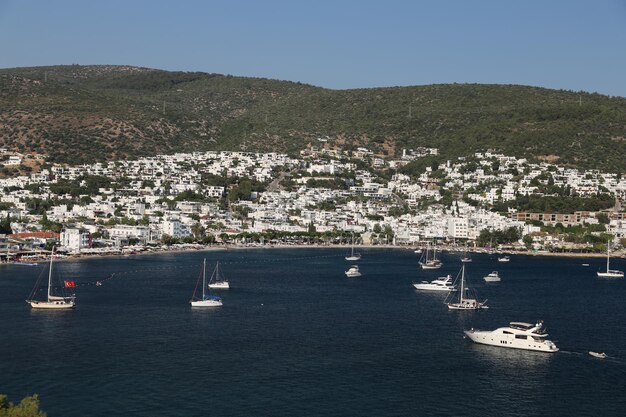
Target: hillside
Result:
[[88, 113]]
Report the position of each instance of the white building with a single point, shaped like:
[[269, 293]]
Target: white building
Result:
[[175, 229], [458, 227], [75, 239], [125, 231]]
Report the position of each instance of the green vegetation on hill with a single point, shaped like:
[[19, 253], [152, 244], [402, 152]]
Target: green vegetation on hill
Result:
[[89, 113], [28, 407]]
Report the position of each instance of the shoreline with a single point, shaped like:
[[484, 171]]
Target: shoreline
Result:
[[202, 248]]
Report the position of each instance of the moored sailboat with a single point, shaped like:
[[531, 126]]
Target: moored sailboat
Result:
[[207, 300], [353, 256], [610, 273], [217, 280], [467, 299], [426, 262], [52, 302]]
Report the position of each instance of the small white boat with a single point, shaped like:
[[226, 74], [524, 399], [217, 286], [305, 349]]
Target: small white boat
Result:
[[418, 250], [439, 284], [207, 300], [217, 280], [504, 258], [585, 264], [610, 273], [353, 272], [492, 277], [600, 355], [518, 335]]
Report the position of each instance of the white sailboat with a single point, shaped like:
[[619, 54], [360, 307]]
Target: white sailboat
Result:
[[610, 273], [52, 302], [426, 262], [467, 300], [353, 256], [217, 280], [207, 300], [466, 258]]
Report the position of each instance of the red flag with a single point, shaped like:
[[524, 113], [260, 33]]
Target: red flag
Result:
[[69, 284]]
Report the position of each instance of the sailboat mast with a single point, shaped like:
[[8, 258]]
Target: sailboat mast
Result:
[[50, 273], [607, 256], [462, 283], [352, 252], [203, 277]]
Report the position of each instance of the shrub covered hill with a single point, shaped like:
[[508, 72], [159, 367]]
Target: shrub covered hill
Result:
[[88, 113]]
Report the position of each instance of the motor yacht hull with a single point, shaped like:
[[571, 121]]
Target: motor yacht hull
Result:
[[492, 338], [432, 287]]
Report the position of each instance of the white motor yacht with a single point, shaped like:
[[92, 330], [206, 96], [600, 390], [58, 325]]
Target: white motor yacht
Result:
[[353, 272], [504, 258], [439, 284], [492, 277], [517, 335]]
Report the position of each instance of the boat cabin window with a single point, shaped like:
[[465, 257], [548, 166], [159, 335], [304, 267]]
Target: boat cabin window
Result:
[[506, 332], [520, 336]]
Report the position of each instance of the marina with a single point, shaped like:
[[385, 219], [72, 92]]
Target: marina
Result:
[[295, 328]]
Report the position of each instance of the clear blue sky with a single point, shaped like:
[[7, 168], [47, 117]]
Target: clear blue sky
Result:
[[574, 45]]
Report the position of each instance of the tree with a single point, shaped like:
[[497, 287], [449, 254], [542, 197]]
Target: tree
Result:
[[5, 226], [28, 407], [167, 239], [528, 241], [377, 228], [603, 218], [198, 230]]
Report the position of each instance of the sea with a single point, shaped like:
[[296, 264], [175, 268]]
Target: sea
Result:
[[296, 337]]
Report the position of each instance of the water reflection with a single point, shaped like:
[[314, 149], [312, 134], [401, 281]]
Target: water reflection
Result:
[[513, 359]]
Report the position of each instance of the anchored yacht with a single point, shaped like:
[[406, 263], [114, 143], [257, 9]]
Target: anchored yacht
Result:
[[353, 272], [518, 335], [492, 277], [439, 284]]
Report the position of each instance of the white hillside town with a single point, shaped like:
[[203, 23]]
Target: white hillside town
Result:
[[323, 197]]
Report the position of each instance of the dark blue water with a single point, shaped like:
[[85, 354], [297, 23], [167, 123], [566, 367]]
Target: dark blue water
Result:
[[296, 337]]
